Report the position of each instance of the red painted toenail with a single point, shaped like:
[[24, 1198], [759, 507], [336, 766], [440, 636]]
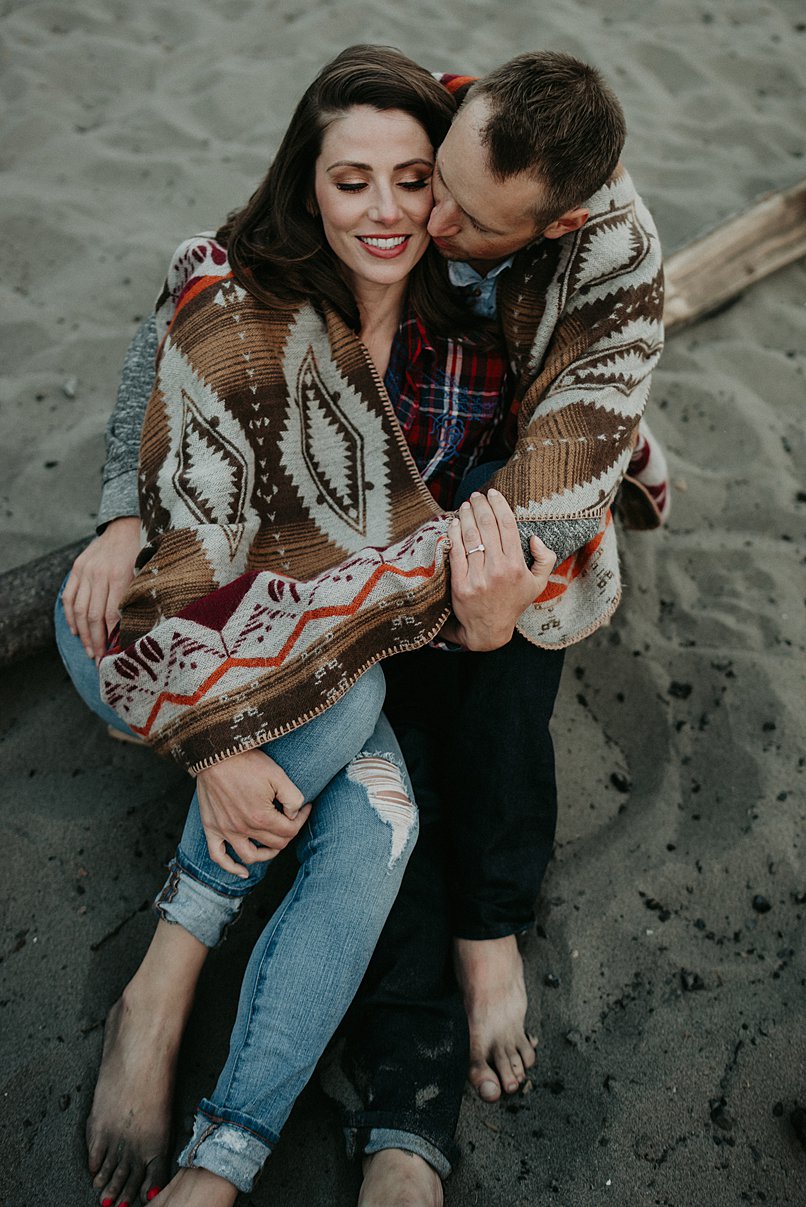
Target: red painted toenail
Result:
[[107, 1202], [153, 1192]]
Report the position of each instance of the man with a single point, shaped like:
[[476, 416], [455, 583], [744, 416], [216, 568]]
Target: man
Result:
[[545, 230]]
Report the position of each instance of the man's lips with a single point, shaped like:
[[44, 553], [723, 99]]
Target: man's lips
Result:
[[384, 247]]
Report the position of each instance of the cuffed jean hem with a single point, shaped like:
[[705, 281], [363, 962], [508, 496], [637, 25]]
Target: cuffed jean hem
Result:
[[229, 1147], [203, 912], [363, 1138]]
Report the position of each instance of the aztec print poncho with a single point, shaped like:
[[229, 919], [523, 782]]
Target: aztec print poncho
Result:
[[291, 541]]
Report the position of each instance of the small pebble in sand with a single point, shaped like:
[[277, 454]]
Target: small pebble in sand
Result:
[[69, 387], [691, 981], [761, 905], [551, 981]]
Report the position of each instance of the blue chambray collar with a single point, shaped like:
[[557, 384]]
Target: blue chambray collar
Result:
[[461, 273], [482, 290]]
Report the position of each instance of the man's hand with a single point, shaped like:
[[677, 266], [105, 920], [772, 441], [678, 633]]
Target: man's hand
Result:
[[98, 581], [238, 803], [490, 582]]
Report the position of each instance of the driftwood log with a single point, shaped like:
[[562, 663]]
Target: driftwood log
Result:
[[700, 278], [716, 268], [27, 596]]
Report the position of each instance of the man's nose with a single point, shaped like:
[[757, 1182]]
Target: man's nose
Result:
[[444, 220]]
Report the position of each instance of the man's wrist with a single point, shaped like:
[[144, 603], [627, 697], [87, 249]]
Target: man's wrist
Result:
[[118, 524], [487, 639]]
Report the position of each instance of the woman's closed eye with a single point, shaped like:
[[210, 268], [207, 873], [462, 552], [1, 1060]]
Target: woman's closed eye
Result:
[[411, 186]]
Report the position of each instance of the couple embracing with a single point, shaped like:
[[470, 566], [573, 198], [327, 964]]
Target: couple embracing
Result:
[[386, 409]]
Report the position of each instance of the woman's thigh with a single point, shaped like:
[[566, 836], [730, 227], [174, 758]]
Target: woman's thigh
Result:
[[310, 756], [82, 670], [319, 748]]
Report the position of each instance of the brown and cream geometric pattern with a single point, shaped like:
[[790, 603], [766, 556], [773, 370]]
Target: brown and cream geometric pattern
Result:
[[291, 541]]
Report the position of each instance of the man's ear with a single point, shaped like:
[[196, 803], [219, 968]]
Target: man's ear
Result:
[[571, 220]]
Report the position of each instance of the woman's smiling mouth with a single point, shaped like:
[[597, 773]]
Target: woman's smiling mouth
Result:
[[385, 246]]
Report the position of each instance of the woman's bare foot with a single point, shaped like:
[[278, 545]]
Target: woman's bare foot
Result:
[[490, 972], [396, 1178], [196, 1188], [128, 1129]]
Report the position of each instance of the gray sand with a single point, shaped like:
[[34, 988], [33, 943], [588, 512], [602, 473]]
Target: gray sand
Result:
[[672, 1040]]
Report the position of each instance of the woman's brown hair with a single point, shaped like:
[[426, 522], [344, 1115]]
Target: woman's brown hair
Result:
[[276, 245]]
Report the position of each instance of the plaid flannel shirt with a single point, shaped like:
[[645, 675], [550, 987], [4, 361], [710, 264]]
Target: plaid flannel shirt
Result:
[[450, 399]]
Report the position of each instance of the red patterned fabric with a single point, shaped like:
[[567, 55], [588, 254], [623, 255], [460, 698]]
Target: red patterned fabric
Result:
[[450, 400]]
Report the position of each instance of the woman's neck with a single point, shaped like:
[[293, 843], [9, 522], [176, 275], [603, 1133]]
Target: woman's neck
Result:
[[379, 309]]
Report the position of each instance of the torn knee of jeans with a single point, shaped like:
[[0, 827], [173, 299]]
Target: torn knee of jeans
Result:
[[382, 779]]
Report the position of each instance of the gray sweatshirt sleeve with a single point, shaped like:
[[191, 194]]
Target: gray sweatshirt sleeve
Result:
[[564, 537], [119, 490]]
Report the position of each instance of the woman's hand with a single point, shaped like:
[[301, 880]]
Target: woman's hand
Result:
[[239, 803], [98, 581], [490, 582]]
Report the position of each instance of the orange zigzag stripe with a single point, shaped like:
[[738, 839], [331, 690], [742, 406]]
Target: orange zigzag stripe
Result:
[[316, 614], [569, 570]]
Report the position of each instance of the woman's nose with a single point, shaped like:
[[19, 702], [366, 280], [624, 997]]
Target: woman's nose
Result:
[[385, 207]]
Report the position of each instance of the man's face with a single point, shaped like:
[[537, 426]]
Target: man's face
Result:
[[476, 217]]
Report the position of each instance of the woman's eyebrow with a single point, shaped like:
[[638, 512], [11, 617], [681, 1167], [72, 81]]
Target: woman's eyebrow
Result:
[[367, 167]]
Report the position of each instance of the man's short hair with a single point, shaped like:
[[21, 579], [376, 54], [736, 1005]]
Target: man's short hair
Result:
[[553, 117]]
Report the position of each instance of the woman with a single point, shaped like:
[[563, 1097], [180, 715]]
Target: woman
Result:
[[367, 126]]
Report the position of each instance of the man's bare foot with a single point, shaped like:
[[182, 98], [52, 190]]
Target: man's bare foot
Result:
[[196, 1188], [128, 1129], [396, 1178], [490, 972]]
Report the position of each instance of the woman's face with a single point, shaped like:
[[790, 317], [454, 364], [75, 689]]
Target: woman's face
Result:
[[373, 187]]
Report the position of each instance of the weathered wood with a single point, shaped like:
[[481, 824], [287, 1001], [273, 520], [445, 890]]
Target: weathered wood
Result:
[[720, 265], [27, 596], [700, 278]]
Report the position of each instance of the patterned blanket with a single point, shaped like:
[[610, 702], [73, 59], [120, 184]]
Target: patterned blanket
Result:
[[291, 541]]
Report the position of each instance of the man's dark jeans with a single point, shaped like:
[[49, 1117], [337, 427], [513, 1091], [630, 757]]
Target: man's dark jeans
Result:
[[474, 730]]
